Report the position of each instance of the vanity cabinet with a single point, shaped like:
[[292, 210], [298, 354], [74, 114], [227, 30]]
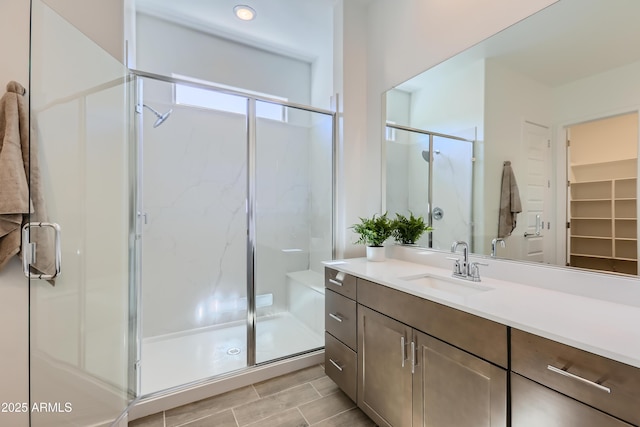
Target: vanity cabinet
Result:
[[385, 379], [409, 378], [341, 331], [415, 362], [454, 388], [534, 405], [604, 384]]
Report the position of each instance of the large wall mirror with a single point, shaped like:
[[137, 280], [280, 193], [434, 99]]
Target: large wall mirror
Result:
[[540, 119]]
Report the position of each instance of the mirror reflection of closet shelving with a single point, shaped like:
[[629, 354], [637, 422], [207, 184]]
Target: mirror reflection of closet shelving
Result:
[[603, 217]]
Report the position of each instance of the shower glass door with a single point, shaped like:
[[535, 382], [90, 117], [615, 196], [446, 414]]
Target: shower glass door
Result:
[[407, 175], [293, 227], [452, 169], [430, 175], [193, 181], [80, 341]]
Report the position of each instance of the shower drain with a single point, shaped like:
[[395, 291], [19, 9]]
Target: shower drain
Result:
[[233, 351]]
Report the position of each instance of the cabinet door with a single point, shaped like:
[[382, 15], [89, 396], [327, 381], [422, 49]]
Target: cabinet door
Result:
[[533, 405], [454, 388], [384, 369]]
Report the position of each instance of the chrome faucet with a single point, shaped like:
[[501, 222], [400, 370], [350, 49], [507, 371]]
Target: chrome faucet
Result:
[[494, 244], [462, 267]]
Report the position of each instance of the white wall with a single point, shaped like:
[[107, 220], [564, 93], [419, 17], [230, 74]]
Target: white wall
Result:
[[14, 314], [607, 140], [597, 96], [161, 50]]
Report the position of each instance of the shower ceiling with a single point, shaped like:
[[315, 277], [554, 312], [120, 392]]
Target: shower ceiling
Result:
[[299, 28]]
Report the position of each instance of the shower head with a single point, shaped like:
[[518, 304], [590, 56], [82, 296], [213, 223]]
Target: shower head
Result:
[[161, 117], [426, 157]]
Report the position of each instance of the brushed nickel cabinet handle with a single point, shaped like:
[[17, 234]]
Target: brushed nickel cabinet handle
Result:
[[404, 356], [413, 357], [335, 282], [335, 317], [577, 378], [338, 367]]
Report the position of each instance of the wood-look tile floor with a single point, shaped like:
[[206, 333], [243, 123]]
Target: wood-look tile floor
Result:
[[303, 398]]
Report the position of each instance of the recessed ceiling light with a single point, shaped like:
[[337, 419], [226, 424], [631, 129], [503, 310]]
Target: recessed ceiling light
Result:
[[244, 12]]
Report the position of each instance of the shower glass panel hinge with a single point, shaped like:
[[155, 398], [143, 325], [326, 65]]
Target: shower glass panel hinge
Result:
[[139, 109]]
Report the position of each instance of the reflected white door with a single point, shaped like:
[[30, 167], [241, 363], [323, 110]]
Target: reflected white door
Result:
[[535, 191]]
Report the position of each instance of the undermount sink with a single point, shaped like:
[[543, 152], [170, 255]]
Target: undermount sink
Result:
[[452, 286]]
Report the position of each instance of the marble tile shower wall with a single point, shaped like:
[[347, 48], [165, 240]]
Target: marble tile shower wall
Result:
[[452, 191], [282, 207], [407, 182], [194, 246]]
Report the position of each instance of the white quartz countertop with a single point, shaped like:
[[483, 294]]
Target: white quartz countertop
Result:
[[605, 328]]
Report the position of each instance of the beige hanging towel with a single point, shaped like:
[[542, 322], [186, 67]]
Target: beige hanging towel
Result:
[[18, 168], [510, 205]]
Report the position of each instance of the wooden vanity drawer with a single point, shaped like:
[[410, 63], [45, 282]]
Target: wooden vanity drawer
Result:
[[476, 335], [339, 282], [341, 364], [582, 374], [340, 318]]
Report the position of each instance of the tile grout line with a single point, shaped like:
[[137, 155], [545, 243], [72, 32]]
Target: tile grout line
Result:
[[289, 388], [302, 415], [280, 412], [233, 412], [334, 415], [339, 413]]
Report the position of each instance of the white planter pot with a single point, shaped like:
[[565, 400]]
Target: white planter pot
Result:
[[375, 253]]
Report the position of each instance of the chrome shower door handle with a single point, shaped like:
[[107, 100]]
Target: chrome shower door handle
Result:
[[29, 250]]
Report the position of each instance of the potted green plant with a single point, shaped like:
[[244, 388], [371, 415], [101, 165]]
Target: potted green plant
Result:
[[373, 232], [408, 230]]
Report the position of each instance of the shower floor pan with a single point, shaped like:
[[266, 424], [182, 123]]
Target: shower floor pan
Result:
[[177, 360]]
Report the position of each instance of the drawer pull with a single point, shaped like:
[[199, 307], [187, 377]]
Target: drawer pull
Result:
[[403, 350], [577, 378], [338, 367], [335, 317], [335, 282]]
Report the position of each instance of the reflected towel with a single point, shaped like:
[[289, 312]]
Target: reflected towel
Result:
[[510, 205], [18, 169]]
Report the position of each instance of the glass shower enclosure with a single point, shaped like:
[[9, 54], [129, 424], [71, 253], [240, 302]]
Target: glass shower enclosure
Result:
[[236, 213], [431, 175]]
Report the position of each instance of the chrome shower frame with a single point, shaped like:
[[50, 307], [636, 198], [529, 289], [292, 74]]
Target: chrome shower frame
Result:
[[251, 219], [431, 136]]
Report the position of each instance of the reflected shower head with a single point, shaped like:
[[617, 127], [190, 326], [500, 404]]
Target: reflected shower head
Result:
[[161, 117], [426, 157]]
